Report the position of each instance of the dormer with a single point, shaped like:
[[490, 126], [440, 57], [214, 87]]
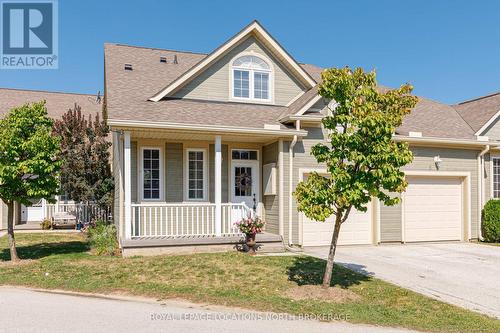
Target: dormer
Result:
[[251, 78], [251, 67]]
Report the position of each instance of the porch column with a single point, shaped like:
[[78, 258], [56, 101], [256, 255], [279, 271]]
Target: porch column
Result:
[[127, 182], [218, 186]]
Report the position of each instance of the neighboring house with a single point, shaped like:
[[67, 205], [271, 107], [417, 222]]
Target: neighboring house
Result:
[[57, 104], [197, 137]]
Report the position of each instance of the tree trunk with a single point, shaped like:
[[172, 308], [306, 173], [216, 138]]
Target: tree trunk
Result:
[[327, 278], [10, 231]]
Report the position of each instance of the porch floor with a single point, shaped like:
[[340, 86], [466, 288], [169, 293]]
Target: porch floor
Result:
[[193, 240]]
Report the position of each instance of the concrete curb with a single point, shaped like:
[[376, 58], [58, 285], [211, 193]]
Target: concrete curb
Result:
[[129, 298]]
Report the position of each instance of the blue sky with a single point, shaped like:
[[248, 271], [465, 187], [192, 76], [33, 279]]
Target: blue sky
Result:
[[449, 50]]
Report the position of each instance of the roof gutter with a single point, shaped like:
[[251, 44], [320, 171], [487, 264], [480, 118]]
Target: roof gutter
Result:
[[444, 141], [205, 128], [314, 118]]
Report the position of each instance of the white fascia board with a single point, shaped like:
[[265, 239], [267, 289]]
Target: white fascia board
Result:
[[444, 141], [303, 109], [488, 123], [206, 128], [308, 105]]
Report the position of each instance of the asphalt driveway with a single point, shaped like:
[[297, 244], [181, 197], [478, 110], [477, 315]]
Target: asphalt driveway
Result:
[[463, 274]]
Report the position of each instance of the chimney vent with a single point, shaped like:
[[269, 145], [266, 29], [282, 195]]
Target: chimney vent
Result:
[[128, 67]]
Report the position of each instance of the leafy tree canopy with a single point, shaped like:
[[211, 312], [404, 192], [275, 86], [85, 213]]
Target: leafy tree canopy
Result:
[[361, 158], [29, 166], [85, 150]]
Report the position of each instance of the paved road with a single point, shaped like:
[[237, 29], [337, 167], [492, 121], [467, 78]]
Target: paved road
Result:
[[463, 274], [30, 311]]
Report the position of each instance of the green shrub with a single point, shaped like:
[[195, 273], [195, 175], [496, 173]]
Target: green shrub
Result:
[[46, 224], [491, 221], [102, 238]]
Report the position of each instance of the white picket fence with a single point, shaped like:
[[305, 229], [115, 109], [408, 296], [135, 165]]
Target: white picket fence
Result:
[[185, 219]]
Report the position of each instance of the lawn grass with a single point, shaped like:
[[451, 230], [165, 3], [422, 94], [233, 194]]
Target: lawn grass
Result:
[[233, 279]]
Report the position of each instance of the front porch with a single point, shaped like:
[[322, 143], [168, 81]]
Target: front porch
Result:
[[184, 189], [183, 220]]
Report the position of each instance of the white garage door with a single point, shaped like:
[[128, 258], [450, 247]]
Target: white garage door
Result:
[[356, 230], [433, 209]]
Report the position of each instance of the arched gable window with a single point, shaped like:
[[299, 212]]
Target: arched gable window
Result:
[[251, 78]]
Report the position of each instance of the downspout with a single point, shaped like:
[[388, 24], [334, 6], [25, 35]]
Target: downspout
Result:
[[290, 183], [480, 171]]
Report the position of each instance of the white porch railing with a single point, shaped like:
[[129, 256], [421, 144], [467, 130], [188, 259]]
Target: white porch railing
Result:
[[184, 219], [84, 213]]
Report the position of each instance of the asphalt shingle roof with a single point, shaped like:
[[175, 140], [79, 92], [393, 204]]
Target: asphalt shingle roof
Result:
[[478, 112], [57, 103], [127, 94]]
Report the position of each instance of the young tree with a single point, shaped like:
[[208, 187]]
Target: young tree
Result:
[[28, 160], [362, 160], [85, 150]]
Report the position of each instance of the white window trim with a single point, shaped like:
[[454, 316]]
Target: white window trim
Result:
[[140, 179], [240, 149], [492, 178], [252, 163], [205, 174], [270, 71]]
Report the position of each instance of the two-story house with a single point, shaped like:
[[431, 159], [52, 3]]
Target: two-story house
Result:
[[201, 139]]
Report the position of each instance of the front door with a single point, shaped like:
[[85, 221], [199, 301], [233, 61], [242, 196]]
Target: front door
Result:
[[245, 182]]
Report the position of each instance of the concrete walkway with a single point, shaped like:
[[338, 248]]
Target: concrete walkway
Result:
[[464, 274], [31, 311]]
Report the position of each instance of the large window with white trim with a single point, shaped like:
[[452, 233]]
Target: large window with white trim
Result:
[[151, 169], [496, 177], [196, 174], [251, 78]]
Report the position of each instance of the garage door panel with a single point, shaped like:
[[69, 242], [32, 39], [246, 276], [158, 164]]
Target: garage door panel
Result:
[[433, 209], [357, 229]]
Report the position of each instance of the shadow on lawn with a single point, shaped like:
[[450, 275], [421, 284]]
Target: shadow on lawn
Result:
[[309, 271], [42, 250]]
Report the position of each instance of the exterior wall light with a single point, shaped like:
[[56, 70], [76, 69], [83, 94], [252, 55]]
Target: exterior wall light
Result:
[[437, 161]]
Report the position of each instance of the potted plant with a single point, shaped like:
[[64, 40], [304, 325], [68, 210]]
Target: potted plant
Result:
[[250, 226]]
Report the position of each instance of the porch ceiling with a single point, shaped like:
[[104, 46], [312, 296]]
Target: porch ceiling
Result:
[[187, 135]]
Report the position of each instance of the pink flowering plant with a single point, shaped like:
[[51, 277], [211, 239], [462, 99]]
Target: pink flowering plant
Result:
[[250, 225]]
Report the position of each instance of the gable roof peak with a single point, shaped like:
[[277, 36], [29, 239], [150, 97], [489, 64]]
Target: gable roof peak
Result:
[[254, 28]]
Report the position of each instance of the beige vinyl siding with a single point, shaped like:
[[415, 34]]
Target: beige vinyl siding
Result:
[[270, 154], [214, 83], [302, 159], [493, 131], [224, 171], [174, 172], [453, 159], [390, 222]]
